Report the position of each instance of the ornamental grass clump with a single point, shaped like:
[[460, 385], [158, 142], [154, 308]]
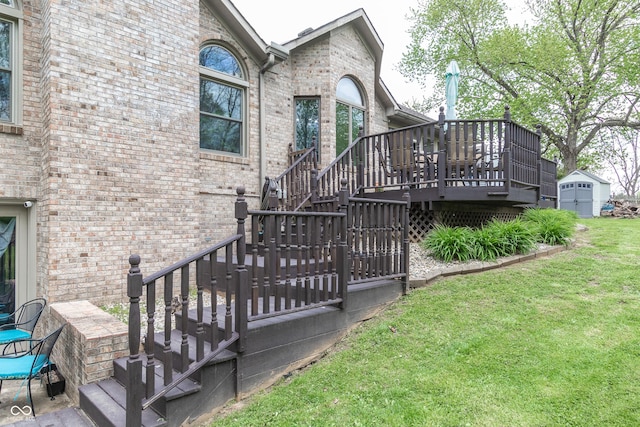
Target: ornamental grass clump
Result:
[[450, 243], [516, 236], [489, 244], [551, 226]]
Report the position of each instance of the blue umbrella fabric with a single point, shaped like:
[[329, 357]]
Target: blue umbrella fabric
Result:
[[451, 89]]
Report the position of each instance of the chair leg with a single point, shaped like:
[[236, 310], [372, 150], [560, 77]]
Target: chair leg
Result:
[[49, 381], [30, 399]]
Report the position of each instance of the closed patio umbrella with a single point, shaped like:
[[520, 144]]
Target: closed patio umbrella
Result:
[[451, 89]]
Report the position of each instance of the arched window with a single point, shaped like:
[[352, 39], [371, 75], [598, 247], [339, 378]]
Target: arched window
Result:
[[350, 111], [222, 101], [10, 61]]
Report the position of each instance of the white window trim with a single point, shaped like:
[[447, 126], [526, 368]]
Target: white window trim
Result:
[[15, 14], [227, 79]]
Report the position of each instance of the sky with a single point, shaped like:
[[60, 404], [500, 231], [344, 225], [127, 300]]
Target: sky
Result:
[[281, 20]]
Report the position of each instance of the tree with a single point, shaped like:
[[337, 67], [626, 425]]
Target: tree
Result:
[[621, 151], [575, 70]]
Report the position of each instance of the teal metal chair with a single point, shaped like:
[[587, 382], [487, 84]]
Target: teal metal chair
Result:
[[32, 363], [21, 323]]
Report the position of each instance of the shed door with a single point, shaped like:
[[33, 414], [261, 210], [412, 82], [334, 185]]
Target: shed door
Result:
[[577, 197]]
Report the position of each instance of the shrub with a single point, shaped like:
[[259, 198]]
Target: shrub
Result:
[[450, 243], [517, 236], [551, 226], [489, 243]]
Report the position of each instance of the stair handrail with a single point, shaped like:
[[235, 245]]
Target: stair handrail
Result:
[[137, 398], [299, 172]]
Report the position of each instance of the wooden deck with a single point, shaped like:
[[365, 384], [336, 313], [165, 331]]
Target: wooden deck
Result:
[[469, 161]]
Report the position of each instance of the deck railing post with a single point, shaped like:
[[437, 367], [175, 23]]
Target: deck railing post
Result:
[[343, 252], [273, 196], [241, 273], [508, 149], [361, 156], [406, 197], [442, 171], [134, 363], [539, 156]]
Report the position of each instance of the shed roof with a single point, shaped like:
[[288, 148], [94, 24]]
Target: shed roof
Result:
[[584, 173]]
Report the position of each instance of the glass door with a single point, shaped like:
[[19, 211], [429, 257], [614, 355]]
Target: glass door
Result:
[[17, 256], [8, 255]]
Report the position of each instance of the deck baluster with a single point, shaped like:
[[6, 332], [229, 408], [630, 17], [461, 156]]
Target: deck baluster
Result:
[[213, 274], [184, 295], [149, 342], [167, 360], [201, 277]]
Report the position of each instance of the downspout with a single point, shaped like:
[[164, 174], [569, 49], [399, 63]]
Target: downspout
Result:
[[263, 126]]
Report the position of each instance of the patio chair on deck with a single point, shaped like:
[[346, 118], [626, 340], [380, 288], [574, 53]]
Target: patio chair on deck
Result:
[[398, 159], [462, 153], [32, 363], [20, 324]]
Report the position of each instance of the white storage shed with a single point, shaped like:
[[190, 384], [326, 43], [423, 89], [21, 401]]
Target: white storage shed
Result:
[[583, 193]]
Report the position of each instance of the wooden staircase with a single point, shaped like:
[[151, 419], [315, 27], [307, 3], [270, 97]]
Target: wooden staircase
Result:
[[105, 401], [294, 282]]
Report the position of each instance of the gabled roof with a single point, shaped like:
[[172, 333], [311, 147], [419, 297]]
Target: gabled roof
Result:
[[587, 174], [359, 20], [247, 36], [244, 33]]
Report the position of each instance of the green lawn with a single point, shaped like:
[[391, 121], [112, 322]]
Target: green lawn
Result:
[[550, 342]]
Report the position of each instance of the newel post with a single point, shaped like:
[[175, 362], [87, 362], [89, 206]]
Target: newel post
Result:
[[241, 273], [273, 195], [442, 156], [344, 255], [134, 363], [406, 197], [507, 127]]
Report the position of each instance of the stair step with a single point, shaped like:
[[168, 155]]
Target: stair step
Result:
[[185, 388], [104, 402], [176, 342]]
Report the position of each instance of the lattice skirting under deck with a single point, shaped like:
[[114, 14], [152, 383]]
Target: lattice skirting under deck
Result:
[[422, 220]]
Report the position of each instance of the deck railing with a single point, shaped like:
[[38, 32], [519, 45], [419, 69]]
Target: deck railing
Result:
[[303, 259], [298, 261], [379, 239], [294, 184], [199, 270], [549, 184], [447, 154]]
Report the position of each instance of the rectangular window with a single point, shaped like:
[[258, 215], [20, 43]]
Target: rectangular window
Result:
[[6, 69], [307, 122], [220, 117]]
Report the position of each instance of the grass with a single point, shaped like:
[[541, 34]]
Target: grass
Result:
[[549, 342]]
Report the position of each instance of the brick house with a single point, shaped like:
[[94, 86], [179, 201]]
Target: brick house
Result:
[[126, 127]]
